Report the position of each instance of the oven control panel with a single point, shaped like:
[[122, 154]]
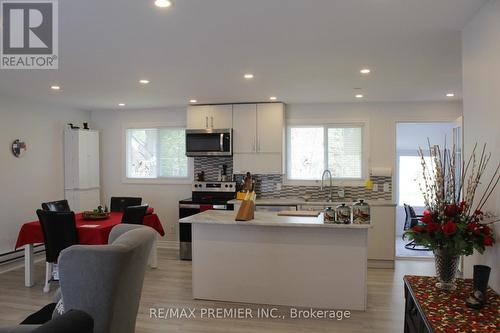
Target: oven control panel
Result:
[[214, 187]]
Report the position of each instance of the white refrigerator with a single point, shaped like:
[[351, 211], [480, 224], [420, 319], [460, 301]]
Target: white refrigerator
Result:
[[81, 169]]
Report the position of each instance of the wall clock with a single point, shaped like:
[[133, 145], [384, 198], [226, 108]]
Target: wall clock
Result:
[[18, 148]]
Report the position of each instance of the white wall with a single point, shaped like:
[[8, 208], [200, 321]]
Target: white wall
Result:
[[381, 117], [38, 175], [162, 197], [481, 82]]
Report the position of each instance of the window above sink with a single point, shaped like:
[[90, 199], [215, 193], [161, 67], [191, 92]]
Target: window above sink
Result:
[[313, 148]]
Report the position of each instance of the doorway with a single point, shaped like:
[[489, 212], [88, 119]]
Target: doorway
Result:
[[409, 137]]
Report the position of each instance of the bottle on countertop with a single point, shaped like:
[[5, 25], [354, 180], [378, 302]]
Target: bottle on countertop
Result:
[[248, 183]]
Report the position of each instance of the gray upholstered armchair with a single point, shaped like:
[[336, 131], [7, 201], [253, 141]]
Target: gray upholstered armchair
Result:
[[105, 281]]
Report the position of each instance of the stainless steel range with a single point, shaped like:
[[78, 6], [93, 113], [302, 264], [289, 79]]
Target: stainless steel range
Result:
[[205, 196]]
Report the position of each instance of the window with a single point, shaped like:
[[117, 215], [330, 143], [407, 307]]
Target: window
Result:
[[156, 153], [312, 149]]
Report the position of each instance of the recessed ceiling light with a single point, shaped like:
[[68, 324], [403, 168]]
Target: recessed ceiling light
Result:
[[121, 104], [273, 98], [55, 87], [163, 3], [193, 101], [359, 96], [450, 95], [144, 81], [248, 76], [365, 71]]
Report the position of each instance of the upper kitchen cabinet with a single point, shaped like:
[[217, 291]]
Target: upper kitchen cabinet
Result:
[[209, 116], [270, 122], [258, 131], [258, 128], [244, 130]]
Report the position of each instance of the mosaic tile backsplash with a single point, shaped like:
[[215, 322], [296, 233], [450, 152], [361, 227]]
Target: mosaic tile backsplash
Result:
[[266, 185]]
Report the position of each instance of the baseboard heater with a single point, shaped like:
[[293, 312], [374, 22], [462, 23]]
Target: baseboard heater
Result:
[[18, 254]]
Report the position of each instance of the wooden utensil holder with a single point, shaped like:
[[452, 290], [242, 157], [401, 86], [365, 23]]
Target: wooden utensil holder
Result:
[[246, 211]]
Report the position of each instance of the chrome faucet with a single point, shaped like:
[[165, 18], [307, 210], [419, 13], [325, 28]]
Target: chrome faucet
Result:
[[330, 196]]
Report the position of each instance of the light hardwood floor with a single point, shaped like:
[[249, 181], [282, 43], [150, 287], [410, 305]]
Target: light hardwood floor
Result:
[[169, 286]]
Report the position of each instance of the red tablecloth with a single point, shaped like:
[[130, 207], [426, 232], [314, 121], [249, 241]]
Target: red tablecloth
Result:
[[31, 232]]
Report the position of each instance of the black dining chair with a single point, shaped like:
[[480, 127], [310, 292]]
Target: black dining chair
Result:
[[59, 232], [134, 214], [118, 204], [56, 206], [411, 220]]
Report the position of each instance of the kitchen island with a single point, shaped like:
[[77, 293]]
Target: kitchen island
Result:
[[278, 260]]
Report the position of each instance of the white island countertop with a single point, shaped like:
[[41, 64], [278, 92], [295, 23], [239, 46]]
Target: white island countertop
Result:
[[271, 219], [302, 202]]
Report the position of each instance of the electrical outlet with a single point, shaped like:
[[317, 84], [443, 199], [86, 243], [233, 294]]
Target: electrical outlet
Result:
[[171, 229], [278, 186], [375, 188], [341, 193], [386, 187]]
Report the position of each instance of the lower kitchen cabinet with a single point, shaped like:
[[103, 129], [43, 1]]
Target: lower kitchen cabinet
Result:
[[381, 236]]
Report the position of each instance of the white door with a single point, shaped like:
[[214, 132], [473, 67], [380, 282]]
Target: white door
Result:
[[197, 117], [93, 159], [220, 116], [244, 128], [270, 118]]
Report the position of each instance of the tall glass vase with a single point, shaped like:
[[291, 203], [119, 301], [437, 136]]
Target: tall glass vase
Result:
[[446, 269]]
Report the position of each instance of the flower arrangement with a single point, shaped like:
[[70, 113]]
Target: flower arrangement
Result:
[[450, 223]]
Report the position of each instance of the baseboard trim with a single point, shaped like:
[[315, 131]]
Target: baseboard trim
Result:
[[19, 263], [165, 244], [377, 263]]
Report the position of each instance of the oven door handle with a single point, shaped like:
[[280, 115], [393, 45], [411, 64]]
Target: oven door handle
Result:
[[189, 206], [221, 142]]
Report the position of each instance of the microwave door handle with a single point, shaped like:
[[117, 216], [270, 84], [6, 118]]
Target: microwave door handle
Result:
[[221, 142]]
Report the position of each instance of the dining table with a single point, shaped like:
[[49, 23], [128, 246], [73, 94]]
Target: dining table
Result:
[[90, 232]]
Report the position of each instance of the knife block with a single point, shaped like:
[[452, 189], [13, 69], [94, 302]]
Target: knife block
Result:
[[246, 211]]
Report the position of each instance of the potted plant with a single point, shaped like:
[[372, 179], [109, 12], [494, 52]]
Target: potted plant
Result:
[[453, 223]]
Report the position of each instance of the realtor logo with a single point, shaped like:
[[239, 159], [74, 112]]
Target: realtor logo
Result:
[[29, 34]]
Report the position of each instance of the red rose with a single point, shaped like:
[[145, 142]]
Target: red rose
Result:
[[451, 210], [417, 228], [487, 241], [472, 226], [486, 230], [427, 218], [431, 227], [449, 228]]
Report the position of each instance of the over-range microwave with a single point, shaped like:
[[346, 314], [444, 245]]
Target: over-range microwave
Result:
[[209, 142]]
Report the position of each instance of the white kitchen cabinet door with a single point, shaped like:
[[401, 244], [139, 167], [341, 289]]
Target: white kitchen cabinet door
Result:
[[381, 244], [270, 131], [244, 128], [198, 117], [88, 159], [220, 116], [258, 163]]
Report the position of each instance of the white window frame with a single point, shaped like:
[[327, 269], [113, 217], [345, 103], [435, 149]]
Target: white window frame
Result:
[[365, 151], [159, 180]]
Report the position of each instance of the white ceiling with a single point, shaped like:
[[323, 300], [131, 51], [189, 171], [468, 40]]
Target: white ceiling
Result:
[[301, 51]]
